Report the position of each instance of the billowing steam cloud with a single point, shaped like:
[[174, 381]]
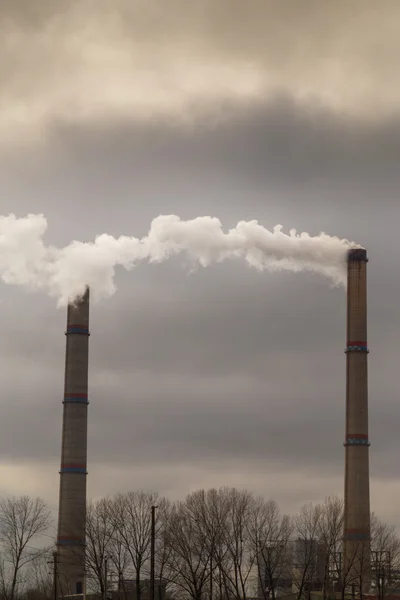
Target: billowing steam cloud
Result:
[[63, 273]]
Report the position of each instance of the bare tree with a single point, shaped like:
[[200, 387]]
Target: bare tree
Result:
[[270, 534], [215, 506], [121, 560], [132, 520], [39, 579], [163, 549], [211, 545], [188, 557], [100, 529], [385, 556], [241, 554], [215, 538], [21, 519], [307, 568], [330, 540], [213, 510]]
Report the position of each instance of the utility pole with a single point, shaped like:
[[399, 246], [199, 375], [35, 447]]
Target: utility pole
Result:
[[152, 552], [119, 584], [105, 578], [54, 562], [211, 573]]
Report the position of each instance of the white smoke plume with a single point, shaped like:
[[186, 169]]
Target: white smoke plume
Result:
[[63, 273]]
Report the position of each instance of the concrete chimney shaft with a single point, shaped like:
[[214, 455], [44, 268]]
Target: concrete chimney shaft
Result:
[[356, 496], [72, 502]]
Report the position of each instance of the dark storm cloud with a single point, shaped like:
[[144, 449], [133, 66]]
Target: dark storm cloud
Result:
[[280, 158], [92, 61], [265, 143]]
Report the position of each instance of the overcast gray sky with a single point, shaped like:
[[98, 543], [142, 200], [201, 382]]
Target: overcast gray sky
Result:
[[282, 112]]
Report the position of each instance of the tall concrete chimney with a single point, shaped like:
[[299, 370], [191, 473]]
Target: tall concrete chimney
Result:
[[357, 528], [72, 502]]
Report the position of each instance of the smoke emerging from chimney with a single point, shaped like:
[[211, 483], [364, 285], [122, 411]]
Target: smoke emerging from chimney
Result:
[[64, 273]]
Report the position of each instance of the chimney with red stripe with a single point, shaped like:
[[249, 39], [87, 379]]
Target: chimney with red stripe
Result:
[[357, 534], [72, 502]]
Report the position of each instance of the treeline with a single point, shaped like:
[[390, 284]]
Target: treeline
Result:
[[226, 543], [216, 544]]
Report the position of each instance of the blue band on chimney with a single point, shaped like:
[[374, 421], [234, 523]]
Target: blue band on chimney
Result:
[[80, 470], [80, 398], [78, 330], [357, 349], [357, 442], [356, 535]]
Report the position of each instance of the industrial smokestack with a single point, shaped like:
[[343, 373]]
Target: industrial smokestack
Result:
[[357, 529], [72, 502]]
